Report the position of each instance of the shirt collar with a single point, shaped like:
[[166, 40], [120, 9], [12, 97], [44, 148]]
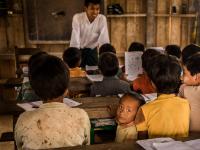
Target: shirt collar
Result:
[[76, 68], [53, 105], [108, 78], [165, 96], [87, 19]]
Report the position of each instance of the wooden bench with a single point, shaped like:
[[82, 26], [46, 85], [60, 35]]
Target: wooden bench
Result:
[[7, 145]]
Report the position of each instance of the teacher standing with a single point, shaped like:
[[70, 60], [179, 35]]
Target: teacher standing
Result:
[[89, 31]]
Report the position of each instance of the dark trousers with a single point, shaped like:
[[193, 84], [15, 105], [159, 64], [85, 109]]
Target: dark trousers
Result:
[[89, 57]]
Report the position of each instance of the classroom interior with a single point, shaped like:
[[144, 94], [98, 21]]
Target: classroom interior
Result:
[[27, 26]]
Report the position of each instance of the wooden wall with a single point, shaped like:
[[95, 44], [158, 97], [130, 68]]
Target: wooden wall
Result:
[[125, 30], [13, 33], [148, 29]]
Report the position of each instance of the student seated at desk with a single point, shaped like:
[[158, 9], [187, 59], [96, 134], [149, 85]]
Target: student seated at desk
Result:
[[168, 115], [110, 48], [173, 50], [126, 112], [191, 89], [143, 84], [107, 48], [53, 124], [136, 47], [72, 57], [188, 51], [111, 85], [26, 92]]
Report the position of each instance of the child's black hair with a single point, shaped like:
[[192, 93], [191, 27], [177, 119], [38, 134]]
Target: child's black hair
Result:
[[189, 51], [107, 48], [136, 97], [96, 2], [34, 58], [193, 64], [49, 77], [147, 56], [72, 57], [173, 50], [108, 64], [136, 46], [165, 73]]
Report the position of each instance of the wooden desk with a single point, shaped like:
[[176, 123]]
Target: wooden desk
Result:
[[124, 146], [79, 86], [96, 107], [10, 108], [110, 146]]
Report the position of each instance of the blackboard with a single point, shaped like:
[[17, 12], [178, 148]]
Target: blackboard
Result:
[[50, 20]]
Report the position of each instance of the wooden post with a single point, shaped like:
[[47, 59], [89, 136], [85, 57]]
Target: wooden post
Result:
[[197, 7], [151, 23]]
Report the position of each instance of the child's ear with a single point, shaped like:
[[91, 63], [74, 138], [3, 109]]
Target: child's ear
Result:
[[153, 84], [197, 78], [66, 93], [85, 8]]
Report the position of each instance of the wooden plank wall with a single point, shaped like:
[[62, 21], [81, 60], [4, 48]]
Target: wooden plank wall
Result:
[[136, 27], [126, 30], [174, 30], [162, 24], [12, 33]]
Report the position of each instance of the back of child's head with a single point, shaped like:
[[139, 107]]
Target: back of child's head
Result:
[[107, 48], [49, 77], [147, 56], [193, 64], [165, 73], [135, 97], [173, 50], [108, 64], [136, 46], [95, 2], [36, 56], [189, 51], [72, 57]]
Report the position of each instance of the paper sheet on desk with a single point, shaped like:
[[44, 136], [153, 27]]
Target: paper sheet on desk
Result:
[[148, 144], [91, 67], [173, 145], [159, 49], [150, 97], [169, 144], [95, 78], [195, 144], [70, 102], [33, 105], [133, 64], [30, 105]]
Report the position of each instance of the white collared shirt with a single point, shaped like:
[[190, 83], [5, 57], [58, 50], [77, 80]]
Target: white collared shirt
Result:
[[86, 34]]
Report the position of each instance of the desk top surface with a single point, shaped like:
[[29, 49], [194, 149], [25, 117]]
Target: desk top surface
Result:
[[96, 107], [122, 146]]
